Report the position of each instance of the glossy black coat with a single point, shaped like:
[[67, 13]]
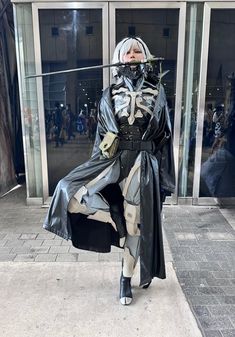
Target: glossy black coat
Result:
[[157, 174]]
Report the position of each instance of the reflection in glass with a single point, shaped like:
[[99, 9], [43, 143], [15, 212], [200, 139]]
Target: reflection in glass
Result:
[[159, 29], [28, 92], [190, 98], [70, 39], [218, 155]]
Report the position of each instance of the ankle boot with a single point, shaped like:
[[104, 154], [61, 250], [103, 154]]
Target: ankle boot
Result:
[[147, 285], [125, 290]]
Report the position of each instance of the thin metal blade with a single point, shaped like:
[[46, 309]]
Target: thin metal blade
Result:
[[153, 60]]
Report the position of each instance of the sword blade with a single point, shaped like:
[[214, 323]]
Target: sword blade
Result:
[[156, 59]]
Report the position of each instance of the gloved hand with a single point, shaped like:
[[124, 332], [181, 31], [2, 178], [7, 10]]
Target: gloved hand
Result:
[[109, 145]]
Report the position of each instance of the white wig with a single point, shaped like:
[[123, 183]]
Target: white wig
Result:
[[124, 46]]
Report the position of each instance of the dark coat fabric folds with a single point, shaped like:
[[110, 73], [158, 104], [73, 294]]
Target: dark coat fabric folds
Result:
[[157, 175]]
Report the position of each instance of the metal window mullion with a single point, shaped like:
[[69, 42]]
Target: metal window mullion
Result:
[[105, 41], [188, 101], [40, 101], [20, 73], [179, 93], [201, 101], [112, 33]]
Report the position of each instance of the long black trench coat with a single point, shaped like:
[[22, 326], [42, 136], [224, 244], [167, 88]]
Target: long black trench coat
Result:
[[157, 172]]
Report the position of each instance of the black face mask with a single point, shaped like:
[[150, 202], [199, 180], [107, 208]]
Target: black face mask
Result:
[[133, 72]]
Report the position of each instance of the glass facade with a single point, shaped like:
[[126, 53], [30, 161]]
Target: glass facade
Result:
[[29, 99], [163, 25], [193, 42], [218, 146], [71, 37]]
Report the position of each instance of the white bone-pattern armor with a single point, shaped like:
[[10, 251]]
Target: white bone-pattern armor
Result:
[[133, 108], [132, 103]]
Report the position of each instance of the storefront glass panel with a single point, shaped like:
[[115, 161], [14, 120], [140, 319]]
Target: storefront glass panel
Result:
[[70, 38], [29, 99], [193, 43], [218, 147], [159, 29]]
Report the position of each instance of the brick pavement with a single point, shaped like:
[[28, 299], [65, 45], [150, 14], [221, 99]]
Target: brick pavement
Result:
[[201, 244], [22, 237]]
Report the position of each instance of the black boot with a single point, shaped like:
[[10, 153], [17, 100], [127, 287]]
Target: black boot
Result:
[[125, 290], [146, 285]]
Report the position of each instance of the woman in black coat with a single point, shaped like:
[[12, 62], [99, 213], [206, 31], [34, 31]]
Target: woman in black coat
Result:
[[115, 198]]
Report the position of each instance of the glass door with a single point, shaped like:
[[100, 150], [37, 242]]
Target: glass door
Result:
[[216, 159], [162, 27], [70, 36]]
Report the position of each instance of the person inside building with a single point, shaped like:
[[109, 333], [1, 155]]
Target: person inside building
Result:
[[115, 198]]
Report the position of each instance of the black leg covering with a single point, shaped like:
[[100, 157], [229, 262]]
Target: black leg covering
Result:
[[116, 212], [113, 194]]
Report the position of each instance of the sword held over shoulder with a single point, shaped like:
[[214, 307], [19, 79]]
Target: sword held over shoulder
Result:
[[119, 64]]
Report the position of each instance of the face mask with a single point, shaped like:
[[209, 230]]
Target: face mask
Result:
[[134, 72]]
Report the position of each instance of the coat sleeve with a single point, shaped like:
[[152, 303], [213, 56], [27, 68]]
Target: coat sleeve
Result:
[[101, 126], [165, 155]]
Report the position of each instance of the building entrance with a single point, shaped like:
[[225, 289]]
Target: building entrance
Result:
[[85, 36], [59, 112]]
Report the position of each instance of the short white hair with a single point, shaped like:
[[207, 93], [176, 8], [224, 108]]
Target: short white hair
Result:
[[124, 46]]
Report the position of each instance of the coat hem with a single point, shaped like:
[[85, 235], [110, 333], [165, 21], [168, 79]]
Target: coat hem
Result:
[[54, 231]]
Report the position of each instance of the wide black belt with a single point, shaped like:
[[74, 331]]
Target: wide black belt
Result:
[[136, 145]]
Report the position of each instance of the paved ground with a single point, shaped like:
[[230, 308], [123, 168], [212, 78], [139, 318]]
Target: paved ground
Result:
[[66, 299], [202, 247], [202, 244]]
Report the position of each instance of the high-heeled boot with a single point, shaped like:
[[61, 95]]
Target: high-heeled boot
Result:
[[125, 290]]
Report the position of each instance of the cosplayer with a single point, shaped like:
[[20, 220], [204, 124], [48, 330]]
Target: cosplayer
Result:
[[115, 198]]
